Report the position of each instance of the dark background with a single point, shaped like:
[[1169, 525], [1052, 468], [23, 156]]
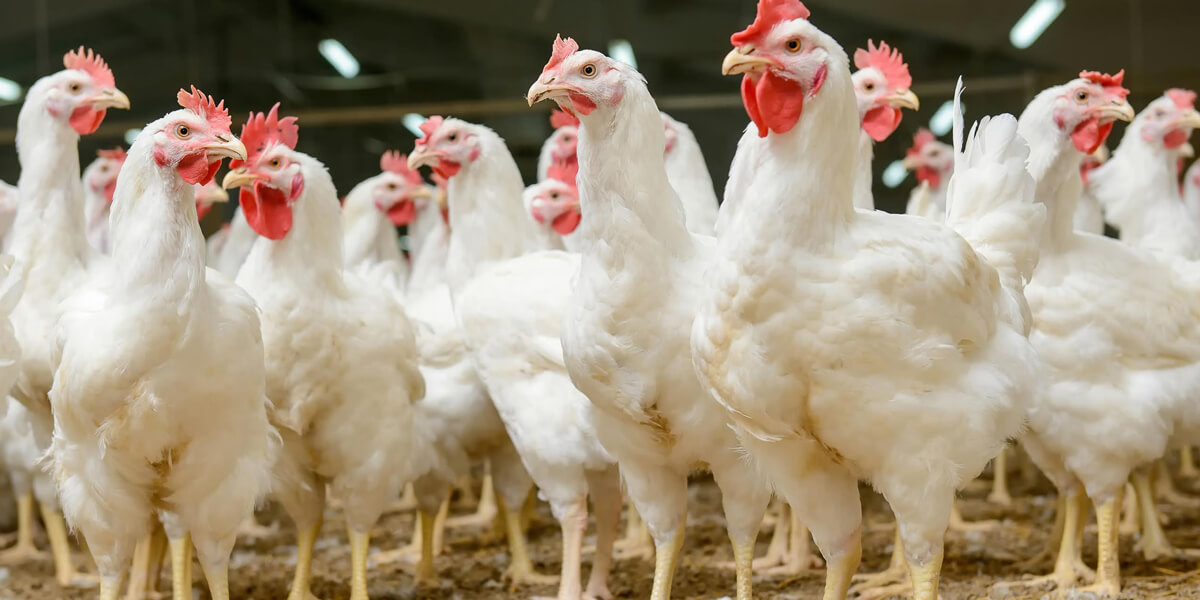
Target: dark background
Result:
[[475, 59]]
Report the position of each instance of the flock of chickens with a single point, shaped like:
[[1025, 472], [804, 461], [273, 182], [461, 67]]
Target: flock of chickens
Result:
[[602, 333]]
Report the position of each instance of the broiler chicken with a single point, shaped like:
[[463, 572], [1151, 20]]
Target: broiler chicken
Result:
[[689, 176], [99, 182], [341, 355], [159, 396], [49, 243], [375, 208], [933, 163], [9, 199], [554, 204], [561, 147], [625, 337], [884, 348], [19, 451], [510, 296], [881, 90], [1089, 215], [228, 248]]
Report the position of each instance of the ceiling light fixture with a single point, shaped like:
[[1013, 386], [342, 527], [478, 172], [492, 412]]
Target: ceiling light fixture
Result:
[[131, 135], [622, 50], [894, 174], [1034, 22], [412, 122], [943, 119], [10, 91], [339, 57]]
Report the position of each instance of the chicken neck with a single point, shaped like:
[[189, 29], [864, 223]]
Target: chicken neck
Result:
[[1138, 187], [863, 196], [1054, 165]]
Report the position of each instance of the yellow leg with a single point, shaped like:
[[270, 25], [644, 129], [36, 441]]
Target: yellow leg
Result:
[[139, 573], [1108, 568], [743, 559], [839, 570], [570, 579], [520, 568], [218, 582], [1000, 493], [957, 523], [306, 538], [1187, 463], [1153, 543], [1131, 513], [439, 526], [1072, 513], [925, 578], [110, 590], [894, 573], [60, 547], [24, 550], [666, 556], [181, 568], [425, 572], [360, 544], [158, 548]]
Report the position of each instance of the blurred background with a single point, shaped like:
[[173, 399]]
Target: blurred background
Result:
[[356, 71]]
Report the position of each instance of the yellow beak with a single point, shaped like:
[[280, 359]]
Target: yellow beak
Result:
[[540, 90], [110, 98], [226, 147], [240, 177], [1190, 119], [1117, 111], [420, 156], [741, 60], [904, 99]]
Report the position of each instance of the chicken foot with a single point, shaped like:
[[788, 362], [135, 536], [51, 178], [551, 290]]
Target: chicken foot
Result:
[[520, 568], [959, 524], [1069, 567], [1153, 543], [60, 547], [1166, 490], [306, 539], [1108, 567], [896, 572], [24, 550]]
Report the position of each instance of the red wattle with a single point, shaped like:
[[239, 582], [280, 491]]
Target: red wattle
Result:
[[566, 223], [195, 168], [266, 210], [1175, 138], [929, 175], [446, 168], [777, 102], [582, 104], [1089, 134], [85, 119], [402, 213], [881, 121], [110, 190]]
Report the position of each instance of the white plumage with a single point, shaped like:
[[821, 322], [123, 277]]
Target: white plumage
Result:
[[688, 174]]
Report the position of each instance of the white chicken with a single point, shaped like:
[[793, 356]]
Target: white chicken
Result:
[[19, 451], [48, 240], [9, 200], [886, 348], [881, 90], [688, 174], [510, 299], [228, 248], [1118, 331], [1089, 215], [159, 396], [933, 163], [99, 181], [626, 330], [340, 352], [561, 146], [554, 204], [375, 208]]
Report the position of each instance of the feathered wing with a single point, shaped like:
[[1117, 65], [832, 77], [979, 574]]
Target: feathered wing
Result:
[[990, 201]]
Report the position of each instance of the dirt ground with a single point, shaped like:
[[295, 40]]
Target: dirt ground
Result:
[[468, 570]]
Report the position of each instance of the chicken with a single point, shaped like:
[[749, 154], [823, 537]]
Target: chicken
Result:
[[933, 163], [1118, 331], [1089, 216], [554, 204], [1191, 190], [8, 208], [99, 181], [1138, 187], [207, 196], [340, 352], [561, 146], [159, 396], [48, 241], [509, 297], [881, 90], [375, 208], [228, 248], [874, 319], [689, 176], [625, 337], [19, 451]]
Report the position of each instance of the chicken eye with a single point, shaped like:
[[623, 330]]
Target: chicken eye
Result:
[[1160, 113], [588, 70], [554, 195], [182, 131], [1081, 96], [793, 45], [391, 187], [452, 137], [74, 87], [275, 163], [869, 86]]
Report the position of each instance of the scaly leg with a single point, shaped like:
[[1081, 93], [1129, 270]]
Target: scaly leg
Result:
[[1000, 493], [425, 573], [605, 491], [1131, 516], [1187, 463], [485, 510], [306, 539], [24, 550], [360, 545], [573, 524], [139, 573], [520, 568], [416, 546], [1154, 543], [217, 577], [925, 578], [1068, 566], [841, 568], [1108, 568], [181, 568], [109, 589], [158, 549], [666, 557], [777, 550], [60, 547]]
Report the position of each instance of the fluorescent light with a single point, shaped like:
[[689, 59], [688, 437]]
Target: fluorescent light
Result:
[[131, 135], [413, 122], [894, 174], [1034, 22], [339, 57], [943, 119], [9, 90], [622, 50]]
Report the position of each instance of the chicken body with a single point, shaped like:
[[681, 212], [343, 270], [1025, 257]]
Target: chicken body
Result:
[[848, 344], [159, 398], [370, 235], [509, 296], [688, 174], [341, 364]]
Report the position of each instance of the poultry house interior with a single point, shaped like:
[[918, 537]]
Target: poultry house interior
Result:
[[595, 299]]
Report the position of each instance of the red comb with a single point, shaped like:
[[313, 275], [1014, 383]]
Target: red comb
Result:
[[562, 118], [770, 14], [922, 137], [562, 49], [1183, 99], [1110, 83], [888, 61], [89, 62], [262, 131], [117, 154], [564, 171], [216, 114], [394, 162], [428, 127]]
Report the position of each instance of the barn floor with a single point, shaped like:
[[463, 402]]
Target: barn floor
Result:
[[974, 561]]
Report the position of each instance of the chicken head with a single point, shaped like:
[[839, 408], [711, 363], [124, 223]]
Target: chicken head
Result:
[[270, 178], [448, 144], [101, 176], [1169, 120], [930, 159], [399, 192], [82, 93], [881, 86], [565, 139], [1088, 106]]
